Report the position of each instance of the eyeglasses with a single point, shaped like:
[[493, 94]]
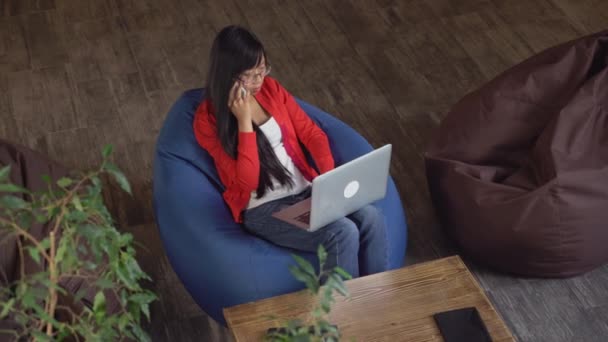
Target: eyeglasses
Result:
[[249, 79]]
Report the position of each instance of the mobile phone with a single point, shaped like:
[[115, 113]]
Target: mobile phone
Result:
[[462, 325], [243, 92]]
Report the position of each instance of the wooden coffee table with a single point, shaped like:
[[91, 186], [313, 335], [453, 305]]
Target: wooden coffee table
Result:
[[396, 305]]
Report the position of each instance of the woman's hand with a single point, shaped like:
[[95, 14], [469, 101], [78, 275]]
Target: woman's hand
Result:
[[238, 102]]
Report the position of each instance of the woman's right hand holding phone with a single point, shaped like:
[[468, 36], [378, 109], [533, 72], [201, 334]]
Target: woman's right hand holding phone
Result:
[[239, 104]]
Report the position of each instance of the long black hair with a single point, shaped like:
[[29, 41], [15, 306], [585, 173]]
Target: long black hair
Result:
[[235, 50]]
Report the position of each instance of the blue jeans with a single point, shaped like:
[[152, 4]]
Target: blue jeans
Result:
[[357, 243]]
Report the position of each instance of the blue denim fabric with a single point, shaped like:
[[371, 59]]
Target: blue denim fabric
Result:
[[357, 243]]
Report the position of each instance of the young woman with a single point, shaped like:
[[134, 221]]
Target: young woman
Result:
[[252, 127]]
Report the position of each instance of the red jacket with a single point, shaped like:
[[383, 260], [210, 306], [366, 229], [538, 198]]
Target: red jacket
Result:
[[240, 176]]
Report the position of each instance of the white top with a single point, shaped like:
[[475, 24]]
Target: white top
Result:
[[272, 131]]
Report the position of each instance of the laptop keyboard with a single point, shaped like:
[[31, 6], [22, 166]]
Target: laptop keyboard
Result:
[[304, 218]]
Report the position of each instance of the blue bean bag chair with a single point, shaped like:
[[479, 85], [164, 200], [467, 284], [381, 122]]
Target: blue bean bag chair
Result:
[[219, 263]]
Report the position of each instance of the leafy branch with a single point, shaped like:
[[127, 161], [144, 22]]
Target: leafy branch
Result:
[[321, 285], [83, 245]]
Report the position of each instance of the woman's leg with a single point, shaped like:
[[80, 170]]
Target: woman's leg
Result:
[[340, 238], [373, 248]]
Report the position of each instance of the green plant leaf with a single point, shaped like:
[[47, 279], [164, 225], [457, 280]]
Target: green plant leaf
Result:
[[304, 265], [99, 306], [80, 294], [34, 253], [342, 273], [145, 308], [76, 216], [317, 313], [119, 177], [65, 182], [46, 178], [12, 202], [21, 319], [317, 330], [24, 219], [104, 283], [123, 297], [77, 204], [125, 277], [328, 295], [7, 307], [4, 172], [326, 306], [311, 282], [293, 324], [61, 251], [13, 188], [44, 316], [322, 255], [95, 189], [143, 298], [123, 321], [45, 243], [325, 325], [107, 150], [339, 285], [28, 300], [302, 337], [63, 333], [125, 239], [41, 218], [21, 289], [276, 336], [139, 333], [134, 268], [40, 336]]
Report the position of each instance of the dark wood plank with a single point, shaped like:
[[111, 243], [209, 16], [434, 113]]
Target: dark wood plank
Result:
[[216, 14], [321, 18], [27, 99], [44, 41], [75, 11], [403, 16], [362, 25], [486, 40], [14, 55], [95, 59], [188, 55], [58, 99], [17, 7], [141, 15], [447, 8], [152, 62], [95, 103], [9, 129], [585, 16]]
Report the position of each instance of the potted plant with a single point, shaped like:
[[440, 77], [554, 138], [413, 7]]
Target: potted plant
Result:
[[321, 286], [82, 245]]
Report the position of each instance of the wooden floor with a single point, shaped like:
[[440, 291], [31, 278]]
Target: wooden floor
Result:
[[76, 74]]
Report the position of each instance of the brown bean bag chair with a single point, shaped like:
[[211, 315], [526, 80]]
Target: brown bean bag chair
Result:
[[518, 170], [27, 169]]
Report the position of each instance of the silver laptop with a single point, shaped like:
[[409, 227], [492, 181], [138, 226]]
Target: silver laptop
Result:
[[341, 191]]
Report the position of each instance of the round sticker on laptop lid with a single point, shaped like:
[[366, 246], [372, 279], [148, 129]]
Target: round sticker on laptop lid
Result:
[[351, 189]]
